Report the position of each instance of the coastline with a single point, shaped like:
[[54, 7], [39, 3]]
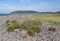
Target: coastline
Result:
[[17, 36]]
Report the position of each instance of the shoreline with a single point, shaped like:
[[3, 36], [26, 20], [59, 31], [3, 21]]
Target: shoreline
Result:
[[17, 36]]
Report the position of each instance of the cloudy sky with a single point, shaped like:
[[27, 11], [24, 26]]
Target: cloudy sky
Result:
[[37, 5]]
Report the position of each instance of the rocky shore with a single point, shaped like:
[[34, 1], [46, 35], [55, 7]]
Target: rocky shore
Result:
[[44, 35]]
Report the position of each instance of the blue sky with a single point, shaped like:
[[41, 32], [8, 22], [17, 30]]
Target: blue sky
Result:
[[37, 5]]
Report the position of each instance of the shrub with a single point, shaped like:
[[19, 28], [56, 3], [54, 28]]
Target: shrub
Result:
[[37, 29], [13, 25], [52, 29], [31, 33], [10, 29], [13, 21], [32, 26], [16, 26], [7, 22]]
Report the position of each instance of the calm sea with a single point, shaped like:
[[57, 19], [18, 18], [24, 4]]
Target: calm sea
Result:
[[5, 14]]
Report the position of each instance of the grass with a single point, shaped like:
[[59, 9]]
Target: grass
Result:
[[32, 26], [15, 24], [49, 18], [10, 29], [12, 26], [8, 22]]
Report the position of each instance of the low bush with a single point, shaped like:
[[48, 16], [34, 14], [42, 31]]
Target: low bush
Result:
[[31, 33], [13, 25], [8, 22], [10, 29], [32, 26], [13, 21], [52, 29]]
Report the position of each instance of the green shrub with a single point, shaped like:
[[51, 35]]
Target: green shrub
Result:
[[7, 22], [37, 29], [32, 26], [16, 26], [13, 21], [13, 25], [31, 33], [10, 29], [52, 29]]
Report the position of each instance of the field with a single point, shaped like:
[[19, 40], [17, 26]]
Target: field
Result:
[[47, 18]]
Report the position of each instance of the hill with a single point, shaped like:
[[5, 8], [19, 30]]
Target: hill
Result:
[[32, 12], [24, 12]]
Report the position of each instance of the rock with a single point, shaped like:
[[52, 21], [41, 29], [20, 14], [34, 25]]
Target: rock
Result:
[[17, 30]]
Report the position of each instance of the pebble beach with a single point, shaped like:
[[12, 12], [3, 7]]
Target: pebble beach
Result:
[[44, 35]]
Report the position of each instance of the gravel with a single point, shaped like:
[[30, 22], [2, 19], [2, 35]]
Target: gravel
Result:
[[44, 35]]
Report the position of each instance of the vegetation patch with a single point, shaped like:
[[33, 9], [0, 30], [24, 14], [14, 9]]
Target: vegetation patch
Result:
[[48, 18], [8, 22], [10, 29], [52, 29], [32, 26], [12, 25]]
